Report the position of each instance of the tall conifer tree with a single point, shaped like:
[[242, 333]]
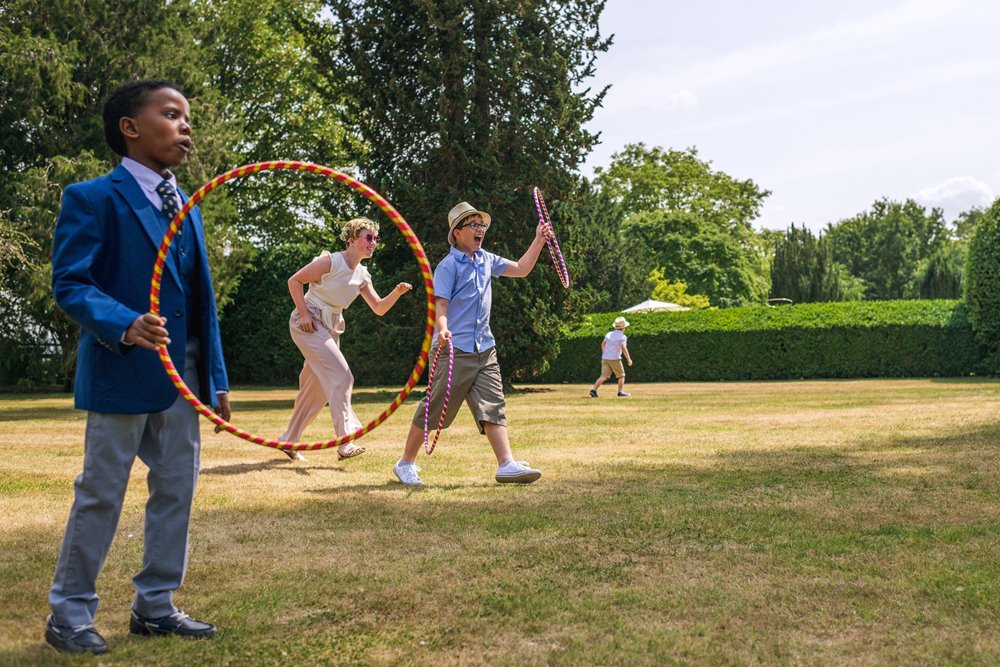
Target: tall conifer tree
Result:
[[475, 100]]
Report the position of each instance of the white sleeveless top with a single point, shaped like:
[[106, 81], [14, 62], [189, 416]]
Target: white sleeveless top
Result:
[[336, 289]]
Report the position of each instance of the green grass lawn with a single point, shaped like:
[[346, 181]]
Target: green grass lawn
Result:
[[831, 523]]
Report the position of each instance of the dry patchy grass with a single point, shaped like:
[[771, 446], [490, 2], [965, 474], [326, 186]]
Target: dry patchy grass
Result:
[[810, 523]]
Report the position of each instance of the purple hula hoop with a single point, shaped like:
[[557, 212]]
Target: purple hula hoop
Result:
[[553, 243], [429, 448]]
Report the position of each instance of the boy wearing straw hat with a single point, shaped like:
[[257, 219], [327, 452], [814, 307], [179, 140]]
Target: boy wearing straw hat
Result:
[[614, 345], [463, 299]]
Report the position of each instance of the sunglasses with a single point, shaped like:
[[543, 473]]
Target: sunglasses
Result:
[[370, 238]]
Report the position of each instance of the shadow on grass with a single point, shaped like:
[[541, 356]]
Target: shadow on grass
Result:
[[299, 467], [54, 413], [388, 485], [286, 404], [395, 486]]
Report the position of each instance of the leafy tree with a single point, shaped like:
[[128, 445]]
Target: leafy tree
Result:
[[15, 247], [884, 246], [940, 275], [60, 58], [803, 268], [708, 259], [664, 290], [606, 273], [475, 100], [966, 223], [852, 287], [653, 179], [266, 80], [694, 222]]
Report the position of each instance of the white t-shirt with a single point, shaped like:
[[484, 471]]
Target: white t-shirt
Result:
[[614, 341]]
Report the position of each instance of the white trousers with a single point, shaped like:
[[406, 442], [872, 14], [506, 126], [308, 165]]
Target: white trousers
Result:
[[326, 379]]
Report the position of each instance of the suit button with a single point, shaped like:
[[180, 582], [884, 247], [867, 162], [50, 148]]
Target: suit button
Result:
[[178, 313]]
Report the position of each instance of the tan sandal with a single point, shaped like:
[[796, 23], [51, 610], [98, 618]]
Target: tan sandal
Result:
[[349, 450]]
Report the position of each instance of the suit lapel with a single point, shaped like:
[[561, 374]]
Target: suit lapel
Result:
[[149, 218]]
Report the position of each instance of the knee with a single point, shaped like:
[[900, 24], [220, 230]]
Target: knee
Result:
[[343, 383]]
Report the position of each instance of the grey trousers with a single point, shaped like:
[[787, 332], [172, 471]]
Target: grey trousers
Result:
[[169, 443]]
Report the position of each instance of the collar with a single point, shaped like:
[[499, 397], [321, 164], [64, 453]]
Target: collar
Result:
[[146, 177], [463, 258]]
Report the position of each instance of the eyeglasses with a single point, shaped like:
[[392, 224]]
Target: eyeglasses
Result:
[[475, 225], [369, 238]]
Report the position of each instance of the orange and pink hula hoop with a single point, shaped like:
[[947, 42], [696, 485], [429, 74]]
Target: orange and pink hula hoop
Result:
[[374, 197]]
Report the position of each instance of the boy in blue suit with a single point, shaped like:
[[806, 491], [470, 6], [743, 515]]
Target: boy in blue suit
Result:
[[106, 240]]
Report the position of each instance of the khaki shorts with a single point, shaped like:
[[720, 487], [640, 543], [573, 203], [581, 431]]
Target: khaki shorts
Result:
[[475, 378], [609, 366]]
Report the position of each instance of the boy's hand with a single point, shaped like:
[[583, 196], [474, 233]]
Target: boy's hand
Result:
[[543, 231], [148, 331], [444, 334], [629, 362], [222, 409]]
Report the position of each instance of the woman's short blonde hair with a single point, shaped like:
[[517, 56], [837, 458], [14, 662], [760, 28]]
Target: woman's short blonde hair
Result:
[[353, 228]]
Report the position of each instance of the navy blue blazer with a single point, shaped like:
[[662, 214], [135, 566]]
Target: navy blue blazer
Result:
[[105, 244]]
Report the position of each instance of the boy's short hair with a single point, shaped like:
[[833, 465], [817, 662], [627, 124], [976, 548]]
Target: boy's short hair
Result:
[[126, 100]]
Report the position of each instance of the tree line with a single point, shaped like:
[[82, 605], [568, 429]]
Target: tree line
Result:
[[429, 103]]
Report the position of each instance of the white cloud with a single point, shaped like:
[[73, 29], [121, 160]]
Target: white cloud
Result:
[[677, 100], [955, 195]]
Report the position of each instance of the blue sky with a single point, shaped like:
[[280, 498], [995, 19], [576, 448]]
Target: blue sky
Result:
[[831, 106]]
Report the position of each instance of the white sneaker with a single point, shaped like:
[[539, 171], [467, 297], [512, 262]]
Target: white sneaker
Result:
[[407, 473], [517, 472], [295, 456]]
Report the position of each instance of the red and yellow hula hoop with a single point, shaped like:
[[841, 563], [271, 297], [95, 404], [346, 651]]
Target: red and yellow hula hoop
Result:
[[371, 195]]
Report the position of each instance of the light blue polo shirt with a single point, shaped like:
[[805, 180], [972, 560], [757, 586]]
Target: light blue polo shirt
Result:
[[467, 284]]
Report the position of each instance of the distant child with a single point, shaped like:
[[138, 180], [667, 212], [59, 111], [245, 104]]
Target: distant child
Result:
[[106, 240], [463, 299], [614, 345]]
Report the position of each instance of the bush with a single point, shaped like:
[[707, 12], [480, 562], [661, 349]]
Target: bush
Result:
[[824, 340], [254, 324], [982, 285], [25, 364]]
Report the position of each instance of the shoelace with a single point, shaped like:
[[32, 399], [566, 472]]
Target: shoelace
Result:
[[78, 629], [412, 466]]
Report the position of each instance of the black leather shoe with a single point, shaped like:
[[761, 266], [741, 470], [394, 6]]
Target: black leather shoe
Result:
[[179, 624], [84, 639]]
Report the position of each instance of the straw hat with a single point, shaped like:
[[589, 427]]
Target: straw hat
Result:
[[620, 323], [462, 211]]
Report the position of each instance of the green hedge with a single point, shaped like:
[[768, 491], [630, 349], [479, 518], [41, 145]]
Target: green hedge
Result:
[[823, 340], [982, 285]]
